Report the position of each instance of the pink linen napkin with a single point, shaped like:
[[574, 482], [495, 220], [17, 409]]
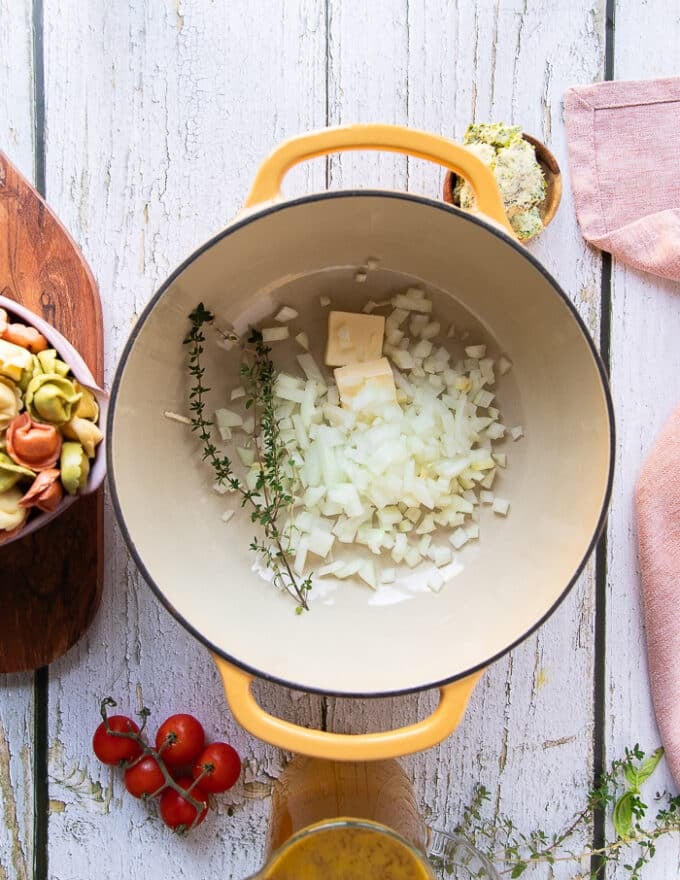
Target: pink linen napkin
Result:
[[623, 140], [658, 520]]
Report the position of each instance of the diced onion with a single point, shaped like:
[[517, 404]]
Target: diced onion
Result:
[[285, 314], [501, 506], [302, 340], [476, 352], [504, 365], [274, 334], [375, 478]]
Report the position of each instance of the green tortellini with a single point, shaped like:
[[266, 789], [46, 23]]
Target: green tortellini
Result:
[[43, 362], [11, 473], [50, 363], [10, 401], [51, 398], [74, 466]]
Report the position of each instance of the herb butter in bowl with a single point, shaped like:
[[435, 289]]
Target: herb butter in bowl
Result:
[[526, 172], [50, 410]]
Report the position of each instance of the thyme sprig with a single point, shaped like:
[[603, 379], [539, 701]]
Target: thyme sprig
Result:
[[632, 847], [273, 492]]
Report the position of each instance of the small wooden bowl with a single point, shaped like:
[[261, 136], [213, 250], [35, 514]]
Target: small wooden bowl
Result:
[[553, 178]]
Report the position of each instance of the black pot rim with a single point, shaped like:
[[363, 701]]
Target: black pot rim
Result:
[[252, 218]]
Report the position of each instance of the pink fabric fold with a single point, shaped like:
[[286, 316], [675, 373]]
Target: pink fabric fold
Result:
[[658, 522], [623, 140]]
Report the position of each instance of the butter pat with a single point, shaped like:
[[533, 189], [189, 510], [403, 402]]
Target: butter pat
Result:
[[374, 377], [354, 338]]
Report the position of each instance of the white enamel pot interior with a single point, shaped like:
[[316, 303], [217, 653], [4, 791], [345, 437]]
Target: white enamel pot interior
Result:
[[558, 478]]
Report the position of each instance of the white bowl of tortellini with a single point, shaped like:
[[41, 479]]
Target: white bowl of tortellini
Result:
[[51, 418]]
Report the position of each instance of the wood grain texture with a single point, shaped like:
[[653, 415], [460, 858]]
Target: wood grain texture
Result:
[[157, 118], [181, 103], [51, 579], [645, 375], [16, 691], [437, 67]]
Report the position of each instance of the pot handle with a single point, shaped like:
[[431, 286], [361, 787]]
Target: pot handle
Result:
[[453, 700], [377, 136]]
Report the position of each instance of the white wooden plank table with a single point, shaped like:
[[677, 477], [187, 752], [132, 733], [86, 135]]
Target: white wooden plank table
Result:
[[145, 123]]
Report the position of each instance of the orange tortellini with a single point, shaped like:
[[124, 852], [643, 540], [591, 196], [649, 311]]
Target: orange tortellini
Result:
[[46, 491], [32, 444]]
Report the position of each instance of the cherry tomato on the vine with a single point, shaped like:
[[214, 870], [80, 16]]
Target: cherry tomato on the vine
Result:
[[176, 811], [221, 765], [185, 738], [116, 749], [144, 778]]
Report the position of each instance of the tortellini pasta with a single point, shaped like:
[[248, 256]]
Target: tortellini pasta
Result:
[[50, 363], [85, 431], [87, 408], [45, 493], [74, 466], [11, 473], [14, 360], [33, 445], [51, 398], [10, 402], [12, 515], [26, 337]]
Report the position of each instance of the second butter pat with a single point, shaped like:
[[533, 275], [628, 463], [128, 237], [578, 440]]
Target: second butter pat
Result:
[[353, 338], [353, 378]]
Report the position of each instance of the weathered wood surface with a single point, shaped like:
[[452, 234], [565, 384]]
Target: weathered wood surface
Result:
[[157, 116], [645, 375], [16, 691]]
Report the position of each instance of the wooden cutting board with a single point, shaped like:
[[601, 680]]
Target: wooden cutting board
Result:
[[50, 581]]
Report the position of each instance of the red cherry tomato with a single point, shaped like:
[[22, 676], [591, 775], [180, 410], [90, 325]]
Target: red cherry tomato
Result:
[[116, 749], [176, 811], [144, 778], [221, 765], [185, 737]]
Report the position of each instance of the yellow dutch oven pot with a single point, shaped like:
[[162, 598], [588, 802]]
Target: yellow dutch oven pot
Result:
[[287, 252]]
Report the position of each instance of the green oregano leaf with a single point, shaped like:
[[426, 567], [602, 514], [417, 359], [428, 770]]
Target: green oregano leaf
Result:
[[648, 767], [623, 815]]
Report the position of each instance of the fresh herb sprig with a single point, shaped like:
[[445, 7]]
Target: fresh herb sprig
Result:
[[634, 845], [273, 492]]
